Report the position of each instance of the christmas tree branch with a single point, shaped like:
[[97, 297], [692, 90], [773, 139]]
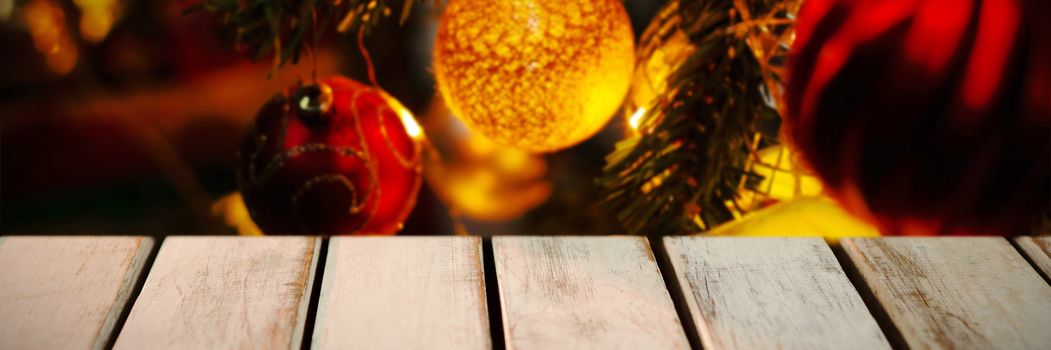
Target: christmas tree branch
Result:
[[283, 28], [683, 172]]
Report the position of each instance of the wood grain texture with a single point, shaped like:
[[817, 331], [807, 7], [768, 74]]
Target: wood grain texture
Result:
[[66, 292], [1039, 251], [584, 293], [403, 293], [956, 292], [224, 293], [770, 293]]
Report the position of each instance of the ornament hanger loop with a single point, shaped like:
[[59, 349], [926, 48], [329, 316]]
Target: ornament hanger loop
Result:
[[314, 100], [368, 59]]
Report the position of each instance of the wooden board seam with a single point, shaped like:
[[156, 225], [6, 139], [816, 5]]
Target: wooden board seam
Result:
[[879, 313], [941, 292], [60, 273], [788, 293], [1019, 244], [318, 274], [324, 294], [675, 290], [129, 290], [304, 305], [492, 295]]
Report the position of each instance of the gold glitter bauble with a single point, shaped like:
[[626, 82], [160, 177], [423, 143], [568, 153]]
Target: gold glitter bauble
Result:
[[537, 75]]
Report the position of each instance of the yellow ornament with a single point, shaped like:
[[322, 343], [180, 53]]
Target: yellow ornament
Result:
[[537, 75], [784, 178], [805, 216]]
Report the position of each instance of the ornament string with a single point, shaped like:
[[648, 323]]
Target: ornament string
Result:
[[459, 228], [368, 59], [312, 49]]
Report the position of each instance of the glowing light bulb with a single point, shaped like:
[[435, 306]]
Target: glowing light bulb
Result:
[[536, 75]]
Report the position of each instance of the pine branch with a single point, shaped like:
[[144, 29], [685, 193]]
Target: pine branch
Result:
[[282, 28], [683, 172]]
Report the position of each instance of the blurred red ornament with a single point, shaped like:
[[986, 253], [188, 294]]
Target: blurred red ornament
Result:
[[927, 116], [338, 157]]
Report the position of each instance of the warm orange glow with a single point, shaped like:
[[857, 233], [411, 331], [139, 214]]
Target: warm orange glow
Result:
[[477, 178], [232, 210], [537, 75], [6, 8], [97, 18], [46, 23], [510, 184]]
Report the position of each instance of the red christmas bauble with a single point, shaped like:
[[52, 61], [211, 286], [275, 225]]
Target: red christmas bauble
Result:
[[336, 157], [927, 116]]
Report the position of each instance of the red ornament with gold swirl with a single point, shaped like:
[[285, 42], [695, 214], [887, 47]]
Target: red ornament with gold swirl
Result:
[[335, 157]]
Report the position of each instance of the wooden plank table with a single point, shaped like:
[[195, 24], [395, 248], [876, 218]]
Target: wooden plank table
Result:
[[66, 292], [565, 292], [766, 293], [584, 293], [403, 293], [958, 293], [224, 292]]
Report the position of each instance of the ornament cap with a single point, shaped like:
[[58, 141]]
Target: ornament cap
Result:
[[313, 102]]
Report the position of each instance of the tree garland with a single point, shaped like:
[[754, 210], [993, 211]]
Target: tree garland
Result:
[[682, 173], [264, 27]]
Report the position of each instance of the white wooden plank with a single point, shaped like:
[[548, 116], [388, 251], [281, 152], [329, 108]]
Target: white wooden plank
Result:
[[1039, 251], [403, 293], [584, 293], [224, 293], [66, 292], [956, 292], [770, 293]]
